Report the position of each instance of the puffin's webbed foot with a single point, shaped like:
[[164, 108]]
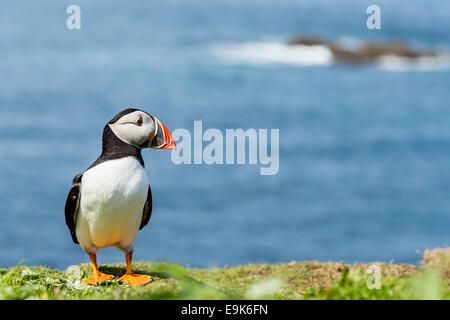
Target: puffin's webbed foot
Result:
[[131, 278], [97, 276], [134, 279], [96, 279]]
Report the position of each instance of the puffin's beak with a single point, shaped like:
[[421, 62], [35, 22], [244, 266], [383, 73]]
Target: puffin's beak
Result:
[[161, 138]]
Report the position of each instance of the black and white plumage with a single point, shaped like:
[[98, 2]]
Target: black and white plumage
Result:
[[111, 201]]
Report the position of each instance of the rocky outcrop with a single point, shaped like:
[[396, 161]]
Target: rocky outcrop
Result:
[[366, 53]]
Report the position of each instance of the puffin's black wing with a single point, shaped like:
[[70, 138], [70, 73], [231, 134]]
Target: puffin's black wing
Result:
[[147, 212], [72, 204]]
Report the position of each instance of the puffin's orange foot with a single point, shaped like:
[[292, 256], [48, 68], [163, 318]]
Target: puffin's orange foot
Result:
[[96, 279], [135, 279]]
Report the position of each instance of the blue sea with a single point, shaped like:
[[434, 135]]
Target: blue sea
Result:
[[364, 171]]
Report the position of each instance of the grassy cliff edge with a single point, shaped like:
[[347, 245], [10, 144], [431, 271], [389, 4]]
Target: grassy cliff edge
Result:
[[294, 280]]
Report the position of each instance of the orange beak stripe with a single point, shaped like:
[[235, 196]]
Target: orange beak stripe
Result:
[[169, 142]]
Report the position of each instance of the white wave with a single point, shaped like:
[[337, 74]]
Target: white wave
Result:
[[319, 55], [274, 52], [402, 64]]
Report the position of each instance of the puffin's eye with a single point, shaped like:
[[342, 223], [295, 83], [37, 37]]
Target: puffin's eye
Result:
[[140, 122]]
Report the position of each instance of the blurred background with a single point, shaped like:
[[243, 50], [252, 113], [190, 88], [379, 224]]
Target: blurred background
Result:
[[364, 149]]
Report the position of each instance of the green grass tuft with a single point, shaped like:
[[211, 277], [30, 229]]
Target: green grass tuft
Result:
[[295, 280]]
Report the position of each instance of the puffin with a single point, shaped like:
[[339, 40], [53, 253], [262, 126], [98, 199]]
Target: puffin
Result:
[[111, 200]]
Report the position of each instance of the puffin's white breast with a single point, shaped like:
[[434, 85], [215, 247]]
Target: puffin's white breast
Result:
[[113, 195]]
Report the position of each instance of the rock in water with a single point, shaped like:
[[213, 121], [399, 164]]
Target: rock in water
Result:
[[367, 53]]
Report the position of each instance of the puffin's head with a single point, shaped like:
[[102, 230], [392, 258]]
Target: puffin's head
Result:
[[140, 129]]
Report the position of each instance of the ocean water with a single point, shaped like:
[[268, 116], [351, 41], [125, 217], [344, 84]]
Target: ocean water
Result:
[[364, 150]]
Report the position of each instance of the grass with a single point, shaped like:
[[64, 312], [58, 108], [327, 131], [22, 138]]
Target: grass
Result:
[[294, 280]]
